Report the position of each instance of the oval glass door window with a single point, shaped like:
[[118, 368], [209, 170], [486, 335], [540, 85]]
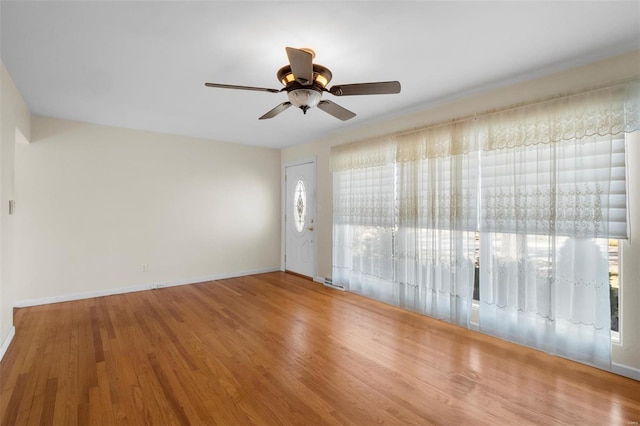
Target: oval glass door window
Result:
[[300, 205]]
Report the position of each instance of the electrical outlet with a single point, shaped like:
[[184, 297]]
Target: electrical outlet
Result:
[[144, 267]]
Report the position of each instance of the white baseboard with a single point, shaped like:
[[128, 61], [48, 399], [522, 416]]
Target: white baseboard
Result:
[[623, 370], [131, 289], [7, 342], [79, 296]]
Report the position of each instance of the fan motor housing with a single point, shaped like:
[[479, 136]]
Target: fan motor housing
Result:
[[321, 77]]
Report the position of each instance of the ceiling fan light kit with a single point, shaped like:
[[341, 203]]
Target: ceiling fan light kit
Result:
[[305, 81], [304, 98]]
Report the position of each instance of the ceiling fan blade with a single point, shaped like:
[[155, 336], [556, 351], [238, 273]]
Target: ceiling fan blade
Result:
[[277, 110], [379, 88], [301, 63], [231, 86], [336, 110]]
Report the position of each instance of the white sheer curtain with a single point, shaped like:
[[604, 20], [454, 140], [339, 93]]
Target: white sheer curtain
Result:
[[551, 179], [435, 242], [544, 278], [552, 194], [405, 220], [364, 219]]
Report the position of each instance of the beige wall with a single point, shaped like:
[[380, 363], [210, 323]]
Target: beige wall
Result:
[[602, 72], [628, 351], [96, 203], [14, 123]]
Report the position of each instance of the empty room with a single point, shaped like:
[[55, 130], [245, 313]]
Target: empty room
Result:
[[330, 212]]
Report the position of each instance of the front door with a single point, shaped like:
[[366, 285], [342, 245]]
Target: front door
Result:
[[300, 205]]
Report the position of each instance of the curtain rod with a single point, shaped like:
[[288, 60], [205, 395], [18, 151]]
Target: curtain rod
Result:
[[511, 107]]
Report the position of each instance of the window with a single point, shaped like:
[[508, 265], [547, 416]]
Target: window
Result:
[[614, 283], [300, 206]]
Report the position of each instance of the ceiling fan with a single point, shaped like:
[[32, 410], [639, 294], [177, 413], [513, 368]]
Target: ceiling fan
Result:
[[305, 81]]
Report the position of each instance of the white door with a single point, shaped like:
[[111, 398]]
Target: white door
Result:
[[300, 212]]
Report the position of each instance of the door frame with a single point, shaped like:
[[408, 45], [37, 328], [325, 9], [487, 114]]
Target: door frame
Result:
[[283, 225]]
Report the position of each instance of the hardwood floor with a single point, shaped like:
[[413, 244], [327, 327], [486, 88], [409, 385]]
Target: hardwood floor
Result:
[[278, 349]]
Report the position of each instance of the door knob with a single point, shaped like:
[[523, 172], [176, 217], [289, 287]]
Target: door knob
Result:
[[310, 228]]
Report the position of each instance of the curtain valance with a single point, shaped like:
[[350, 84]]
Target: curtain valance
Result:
[[434, 142], [371, 153], [603, 112]]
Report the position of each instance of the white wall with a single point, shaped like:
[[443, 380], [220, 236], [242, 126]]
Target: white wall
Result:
[[14, 120], [96, 203], [611, 70]]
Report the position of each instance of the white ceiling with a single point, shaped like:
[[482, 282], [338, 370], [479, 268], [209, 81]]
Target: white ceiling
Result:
[[143, 64]]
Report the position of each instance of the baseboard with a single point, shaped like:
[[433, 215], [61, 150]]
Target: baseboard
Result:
[[79, 296], [623, 370], [156, 285], [7, 342]]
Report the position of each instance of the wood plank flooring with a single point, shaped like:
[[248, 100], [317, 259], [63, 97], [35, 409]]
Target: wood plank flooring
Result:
[[276, 349]]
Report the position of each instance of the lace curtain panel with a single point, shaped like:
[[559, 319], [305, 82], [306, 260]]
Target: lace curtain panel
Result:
[[547, 292], [394, 257], [541, 185], [573, 188], [435, 239], [364, 220], [553, 192], [547, 214]]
